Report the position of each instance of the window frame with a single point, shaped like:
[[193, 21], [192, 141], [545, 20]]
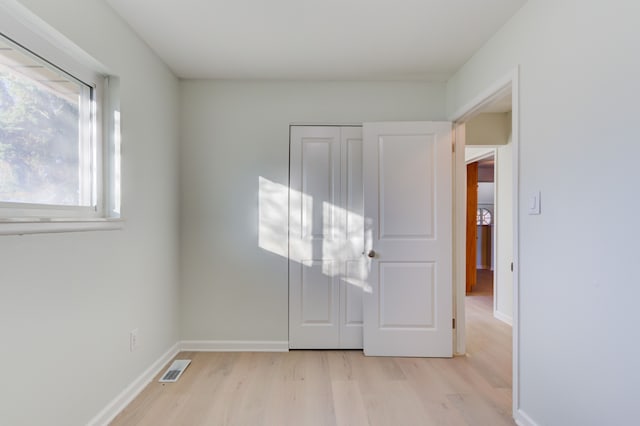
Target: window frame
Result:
[[26, 30]]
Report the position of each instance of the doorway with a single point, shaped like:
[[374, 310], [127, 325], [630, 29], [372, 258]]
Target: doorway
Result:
[[489, 231], [489, 215], [503, 91], [481, 208]]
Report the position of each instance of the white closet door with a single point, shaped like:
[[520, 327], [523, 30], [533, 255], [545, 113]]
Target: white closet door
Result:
[[354, 273], [325, 238], [408, 197]]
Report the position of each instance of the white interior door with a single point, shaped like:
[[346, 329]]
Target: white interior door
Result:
[[408, 198], [326, 228]]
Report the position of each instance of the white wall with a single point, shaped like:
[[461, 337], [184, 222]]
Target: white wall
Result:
[[234, 133], [68, 301], [490, 128], [578, 264], [486, 193], [503, 298]]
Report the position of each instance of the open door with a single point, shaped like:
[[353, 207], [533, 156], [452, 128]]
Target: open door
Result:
[[472, 228], [408, 208]]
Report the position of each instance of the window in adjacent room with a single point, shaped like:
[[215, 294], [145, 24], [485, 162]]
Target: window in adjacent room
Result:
[[483, 216]]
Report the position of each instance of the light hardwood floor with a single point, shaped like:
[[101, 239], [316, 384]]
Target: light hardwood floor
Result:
[[484, 283], [340, 387]]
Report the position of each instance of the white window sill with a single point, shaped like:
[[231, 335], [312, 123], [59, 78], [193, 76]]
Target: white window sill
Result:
[[44, 226]]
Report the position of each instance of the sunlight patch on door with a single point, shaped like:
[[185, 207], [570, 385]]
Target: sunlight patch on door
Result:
[[283, 233]]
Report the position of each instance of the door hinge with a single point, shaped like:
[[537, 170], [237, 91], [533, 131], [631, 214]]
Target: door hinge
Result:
[[511, 266], [453, 147], [454, 323]]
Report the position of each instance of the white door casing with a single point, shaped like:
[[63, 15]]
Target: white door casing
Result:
[[408, 200], [326, 238]]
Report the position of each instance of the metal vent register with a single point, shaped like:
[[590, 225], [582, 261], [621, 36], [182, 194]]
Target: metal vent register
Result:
[[175, 370]]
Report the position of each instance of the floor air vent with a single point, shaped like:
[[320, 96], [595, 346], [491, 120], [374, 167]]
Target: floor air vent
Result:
[[174, 372]]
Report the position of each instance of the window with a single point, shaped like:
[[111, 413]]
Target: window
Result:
[[483, 216], [59, 137], [47, 143]]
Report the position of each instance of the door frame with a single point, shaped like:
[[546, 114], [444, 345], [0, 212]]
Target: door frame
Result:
[[499, 88]]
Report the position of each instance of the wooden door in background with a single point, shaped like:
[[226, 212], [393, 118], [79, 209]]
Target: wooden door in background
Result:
[[472, 225]]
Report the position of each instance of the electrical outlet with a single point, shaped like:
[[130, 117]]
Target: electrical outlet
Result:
[[133, 340]]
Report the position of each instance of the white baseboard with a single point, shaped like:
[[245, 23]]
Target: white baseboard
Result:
[[119, 403], [522, 419], [234, 346], [502, 317]]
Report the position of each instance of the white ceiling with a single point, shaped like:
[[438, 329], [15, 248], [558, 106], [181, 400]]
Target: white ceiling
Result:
[[316, 39]]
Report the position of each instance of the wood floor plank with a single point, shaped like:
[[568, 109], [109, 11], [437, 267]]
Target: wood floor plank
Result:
[[433, 392], [349, 405], [327, 388], [393, 403], [340, 365]]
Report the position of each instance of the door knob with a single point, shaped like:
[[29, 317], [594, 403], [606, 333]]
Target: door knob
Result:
[[371, 254]]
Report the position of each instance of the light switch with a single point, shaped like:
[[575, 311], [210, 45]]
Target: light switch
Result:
[[534, 203]]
